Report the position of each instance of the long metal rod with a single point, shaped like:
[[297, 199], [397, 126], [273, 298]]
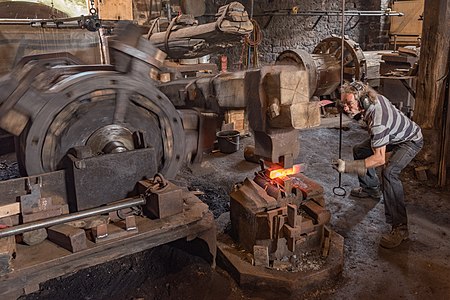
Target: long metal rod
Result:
[[70, 217], [339, 188], [249, 54], [346, 13], [74, 22], [342, 79]]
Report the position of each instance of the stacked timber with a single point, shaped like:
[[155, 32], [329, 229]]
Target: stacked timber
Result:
[[183, 39], [400, 63]]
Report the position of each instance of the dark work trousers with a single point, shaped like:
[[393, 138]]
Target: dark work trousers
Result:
[[394, 198]]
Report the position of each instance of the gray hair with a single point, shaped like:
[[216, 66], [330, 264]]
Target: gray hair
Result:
[[349, 88]]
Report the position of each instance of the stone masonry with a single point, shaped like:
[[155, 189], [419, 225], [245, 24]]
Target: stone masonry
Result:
[[305, 32]]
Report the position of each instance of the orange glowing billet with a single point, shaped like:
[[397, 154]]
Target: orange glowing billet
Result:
[[284, 172]]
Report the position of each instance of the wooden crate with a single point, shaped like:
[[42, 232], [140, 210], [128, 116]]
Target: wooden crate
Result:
[[237, 120]]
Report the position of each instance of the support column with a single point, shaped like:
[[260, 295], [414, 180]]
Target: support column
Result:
[[434, 61]]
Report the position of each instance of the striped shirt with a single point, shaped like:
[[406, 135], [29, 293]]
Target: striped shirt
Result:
[[388, 125]]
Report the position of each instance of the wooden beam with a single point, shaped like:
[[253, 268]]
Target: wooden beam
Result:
[[433, 67], [9, 209], [231, 26], [433, 64]]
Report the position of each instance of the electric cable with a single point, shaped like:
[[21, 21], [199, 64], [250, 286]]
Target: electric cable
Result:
[[339, 190]]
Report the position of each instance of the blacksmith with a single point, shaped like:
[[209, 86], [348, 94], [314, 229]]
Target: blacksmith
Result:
[[390, 131]]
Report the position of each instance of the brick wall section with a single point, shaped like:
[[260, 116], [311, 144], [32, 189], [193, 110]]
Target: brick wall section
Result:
[[290, 32]]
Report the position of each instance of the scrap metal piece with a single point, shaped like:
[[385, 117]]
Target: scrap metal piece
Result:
[[130, 223], [100, 231], [68, 237]]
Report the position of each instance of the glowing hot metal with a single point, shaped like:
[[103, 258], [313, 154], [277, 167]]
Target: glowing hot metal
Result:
[[284, 172]]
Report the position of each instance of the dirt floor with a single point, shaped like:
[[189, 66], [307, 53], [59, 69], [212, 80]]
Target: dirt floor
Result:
[[418, 269]]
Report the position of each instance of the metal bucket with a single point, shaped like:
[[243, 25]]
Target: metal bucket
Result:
[[228, 141]]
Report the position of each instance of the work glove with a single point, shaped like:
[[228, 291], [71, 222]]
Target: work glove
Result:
[[352, 166]]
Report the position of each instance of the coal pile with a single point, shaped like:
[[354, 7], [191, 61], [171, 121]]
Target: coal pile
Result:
[[214, 196], [9, 170]]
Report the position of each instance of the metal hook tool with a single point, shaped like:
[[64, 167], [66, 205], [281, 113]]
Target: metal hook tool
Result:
[[339, 190]]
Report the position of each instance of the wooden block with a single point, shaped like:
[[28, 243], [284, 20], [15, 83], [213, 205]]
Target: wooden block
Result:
[[408, 51], [237, 120], [115, 10], [68, 237], [9, 209], [305, 115], [261, 255]]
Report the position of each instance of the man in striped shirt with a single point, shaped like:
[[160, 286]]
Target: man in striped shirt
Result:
[[390, 131]]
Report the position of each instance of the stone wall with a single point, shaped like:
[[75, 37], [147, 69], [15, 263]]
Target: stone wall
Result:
[[305, 32]]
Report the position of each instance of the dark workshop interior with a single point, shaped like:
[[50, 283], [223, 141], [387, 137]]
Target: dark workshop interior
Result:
[[252, 149]]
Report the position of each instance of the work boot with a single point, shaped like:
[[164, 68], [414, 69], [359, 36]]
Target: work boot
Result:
[[394, 238], [359, 192]]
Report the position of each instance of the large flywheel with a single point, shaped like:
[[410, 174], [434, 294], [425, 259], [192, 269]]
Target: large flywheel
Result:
[[57, 105], [355, 67], [106, 112]]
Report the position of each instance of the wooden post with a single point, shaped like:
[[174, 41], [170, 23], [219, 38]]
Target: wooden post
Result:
[[434, 60]]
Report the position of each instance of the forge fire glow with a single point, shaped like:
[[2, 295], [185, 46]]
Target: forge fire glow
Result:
[[284, 172]]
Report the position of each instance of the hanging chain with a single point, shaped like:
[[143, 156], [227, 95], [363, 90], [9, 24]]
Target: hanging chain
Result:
[[93, 10], [52, 15]]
